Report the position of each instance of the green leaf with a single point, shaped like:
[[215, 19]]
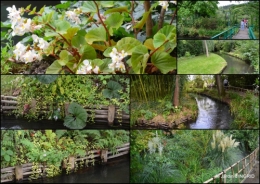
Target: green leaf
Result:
[[55, 68], [142, 22], [7, 158], [89, 6], [115, 20], [127, 44], [9, 152], [79, 40], [41, 10], [97, 34], [97, 62], [163, 61], [77, 118], [119, 9], [46, 79], [87, 52], [139, 59], [169, 31], [107, 4], [62, 26], [159, 39], [63, 5], [28, 7], [65, 57], [71, 33], [62, 90], [33, 11], [112, 90], [108, 51], [53, 89], [149, 44]]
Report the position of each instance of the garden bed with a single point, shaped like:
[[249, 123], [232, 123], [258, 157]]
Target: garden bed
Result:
[[109, 114], [26, 170]]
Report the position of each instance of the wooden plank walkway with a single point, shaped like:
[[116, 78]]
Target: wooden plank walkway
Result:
[[242, 34]]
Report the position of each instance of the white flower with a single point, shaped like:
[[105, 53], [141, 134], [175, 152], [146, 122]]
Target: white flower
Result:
[[29, 56], [43, 44], [165, 4], [13, 13], [117, 58], [120, 66], [19, 50], [96, 70], [73, 16], [86, 68], [35, 38]]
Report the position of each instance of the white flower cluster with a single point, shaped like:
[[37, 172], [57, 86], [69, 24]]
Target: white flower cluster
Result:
[[21, 54], [154, 143], [87, 68], [74, 15], [165, 4], [28, 55], [20, 25], [117, 63]]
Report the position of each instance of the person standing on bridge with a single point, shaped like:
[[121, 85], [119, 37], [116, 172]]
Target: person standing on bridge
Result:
[[225, 82], [242, 25]]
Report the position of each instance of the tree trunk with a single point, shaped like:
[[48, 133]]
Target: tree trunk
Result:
[[206, 47], [149, 22], [221, 91], [176, 92]]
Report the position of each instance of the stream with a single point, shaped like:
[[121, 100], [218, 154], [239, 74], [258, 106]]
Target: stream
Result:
[[212, 114], [235, 65], [116, 170]]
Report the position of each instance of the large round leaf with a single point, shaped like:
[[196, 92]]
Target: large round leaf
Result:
[[112, 90], [46, 79], [139, 59], [96, 34], [77, 119], [127, 44], [163, 61]]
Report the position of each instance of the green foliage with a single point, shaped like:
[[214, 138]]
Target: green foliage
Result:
[[75, 39], [77, 117], [84, 90], [112, 90], [148, 114]]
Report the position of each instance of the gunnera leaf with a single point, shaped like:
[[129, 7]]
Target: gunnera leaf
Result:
[[77, 119], [46, 79]]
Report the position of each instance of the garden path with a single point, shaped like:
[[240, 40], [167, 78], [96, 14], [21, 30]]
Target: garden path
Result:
[[254, 172], [242, 34]]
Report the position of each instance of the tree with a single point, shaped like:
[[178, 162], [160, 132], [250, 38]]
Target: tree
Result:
[[206, 48], [220, 87], [176, 92]]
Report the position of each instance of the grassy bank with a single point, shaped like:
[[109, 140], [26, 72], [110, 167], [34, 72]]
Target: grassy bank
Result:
[[162, 111], [213, 64], [244, 106]]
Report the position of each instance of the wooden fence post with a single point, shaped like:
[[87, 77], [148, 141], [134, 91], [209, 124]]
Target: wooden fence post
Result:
[[66, 107], [72, 162], [104, 154], [18, 172], [33, 105], [111, 114]]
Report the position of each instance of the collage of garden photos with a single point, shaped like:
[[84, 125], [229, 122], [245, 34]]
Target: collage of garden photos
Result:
[[130, 91]]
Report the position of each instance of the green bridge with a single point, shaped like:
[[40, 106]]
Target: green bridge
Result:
[[235, 33]]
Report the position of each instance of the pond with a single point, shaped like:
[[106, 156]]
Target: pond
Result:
[[212, 114], [236, 66], [10, 122], [115, 171]]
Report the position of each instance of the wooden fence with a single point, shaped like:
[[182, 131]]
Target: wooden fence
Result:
[[110, 113], [241, 172], [24, 171]]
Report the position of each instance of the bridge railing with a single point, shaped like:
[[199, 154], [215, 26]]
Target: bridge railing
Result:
[[236, 172], [251, 33], [227, 34]]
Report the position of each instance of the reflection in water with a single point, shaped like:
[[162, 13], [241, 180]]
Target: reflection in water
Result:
[[212, 114], [236, 66], [117, 172]]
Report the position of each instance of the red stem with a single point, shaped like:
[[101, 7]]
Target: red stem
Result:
[[99, 16]]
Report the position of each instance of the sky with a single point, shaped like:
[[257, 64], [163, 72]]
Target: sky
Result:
[[224, 3]]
